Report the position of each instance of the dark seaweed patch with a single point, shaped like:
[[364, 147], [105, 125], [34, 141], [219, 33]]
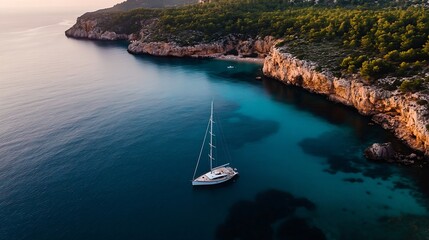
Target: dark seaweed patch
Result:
[[243, 129], [339, 150], [401, 185], [341, 164], [353, 180], [412, 226], [255, 219], [299, 229]]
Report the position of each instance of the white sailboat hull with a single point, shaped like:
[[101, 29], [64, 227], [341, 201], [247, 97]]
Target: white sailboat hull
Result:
[[216, 176]]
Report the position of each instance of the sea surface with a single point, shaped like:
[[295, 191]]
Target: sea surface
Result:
[[96, 143]]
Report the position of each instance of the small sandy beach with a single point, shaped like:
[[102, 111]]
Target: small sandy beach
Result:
[[241, 59]]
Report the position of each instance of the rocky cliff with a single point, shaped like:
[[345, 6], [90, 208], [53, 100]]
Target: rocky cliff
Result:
[[89, 29], [230, 44], [143, 43], [392, 109]]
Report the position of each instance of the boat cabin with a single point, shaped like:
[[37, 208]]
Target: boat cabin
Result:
[[215, 174]]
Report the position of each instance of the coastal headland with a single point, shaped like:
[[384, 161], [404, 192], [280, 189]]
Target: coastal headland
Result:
[[404, 112]]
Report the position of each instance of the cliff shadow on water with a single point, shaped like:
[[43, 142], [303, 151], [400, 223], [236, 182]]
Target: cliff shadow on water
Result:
[[244, 72], [224, 69], [335, 113], [343, 150], [102, 43]]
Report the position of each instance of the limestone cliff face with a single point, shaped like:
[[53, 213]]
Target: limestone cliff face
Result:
[[142, 43], [172, 49], [393, 110], [228, 45], [89, 29]]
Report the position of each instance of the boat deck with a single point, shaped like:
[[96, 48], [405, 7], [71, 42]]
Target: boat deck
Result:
[[217, 175]]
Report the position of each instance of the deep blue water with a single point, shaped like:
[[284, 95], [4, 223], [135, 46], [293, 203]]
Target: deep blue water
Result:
[[96, 143]]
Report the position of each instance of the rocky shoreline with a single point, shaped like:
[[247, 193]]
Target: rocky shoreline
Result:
[[393, 110], [385, 153], [232, 45], [229, 45]]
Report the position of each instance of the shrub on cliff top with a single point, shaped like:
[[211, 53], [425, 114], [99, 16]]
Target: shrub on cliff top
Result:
[[422, 102], [352, 63], [411, 85], [394, 35], [374, 68]]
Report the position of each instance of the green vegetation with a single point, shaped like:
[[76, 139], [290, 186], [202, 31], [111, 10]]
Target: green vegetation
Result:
[[411, 85], [372, 39], [133, 4], [422, 102]]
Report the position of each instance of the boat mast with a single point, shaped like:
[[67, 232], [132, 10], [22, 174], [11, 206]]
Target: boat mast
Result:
[[211, 140]]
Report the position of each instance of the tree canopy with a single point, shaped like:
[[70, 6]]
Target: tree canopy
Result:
[[381, 38]]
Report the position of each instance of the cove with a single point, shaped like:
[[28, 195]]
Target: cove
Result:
[[100, 144]]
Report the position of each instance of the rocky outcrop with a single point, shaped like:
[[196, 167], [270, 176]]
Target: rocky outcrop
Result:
[[173, 49], [380, 152], [392, 109], [89, 29], [143, 42], [231, 44], [384, 152]]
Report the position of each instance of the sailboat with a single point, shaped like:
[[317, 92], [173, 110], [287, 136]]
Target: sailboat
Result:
[[217, 174]]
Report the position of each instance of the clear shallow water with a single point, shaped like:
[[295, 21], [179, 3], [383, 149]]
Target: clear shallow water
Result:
[[98, 144]]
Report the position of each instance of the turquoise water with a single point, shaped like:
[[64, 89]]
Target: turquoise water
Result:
[[96, 143]]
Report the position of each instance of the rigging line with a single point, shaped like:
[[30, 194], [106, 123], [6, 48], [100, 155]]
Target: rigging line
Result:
[[201, 151], [216, 143], [220, 138], [224, 141]]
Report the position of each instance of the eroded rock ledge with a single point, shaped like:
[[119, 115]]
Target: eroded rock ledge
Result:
[[89, 29], [231, 44], [394, 110], [142, 42]]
